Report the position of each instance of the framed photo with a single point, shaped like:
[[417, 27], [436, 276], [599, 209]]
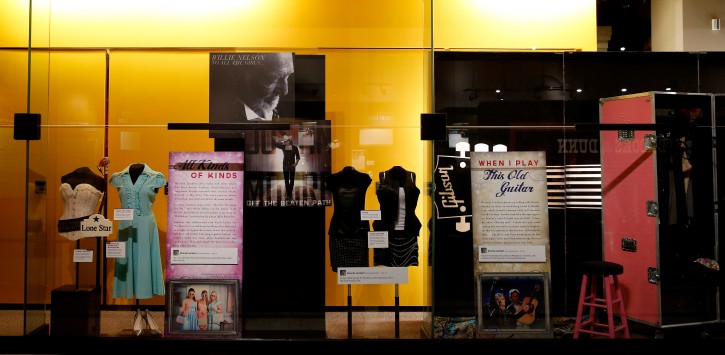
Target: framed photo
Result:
[[513, 303], [205, 308]]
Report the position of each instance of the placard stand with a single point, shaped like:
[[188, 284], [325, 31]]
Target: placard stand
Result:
[[373, 275], [78, 267], [349, 311], [396, 311]]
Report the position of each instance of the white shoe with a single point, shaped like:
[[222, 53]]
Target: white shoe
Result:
[[137, 323], [151, 325]]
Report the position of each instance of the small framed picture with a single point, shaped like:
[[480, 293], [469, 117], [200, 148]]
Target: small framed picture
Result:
[[513, 303], [203, 308]]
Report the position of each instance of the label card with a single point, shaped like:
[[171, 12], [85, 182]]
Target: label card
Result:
[[82, 256], [378, 239], [116, 250], [123, 214], [370, 215]]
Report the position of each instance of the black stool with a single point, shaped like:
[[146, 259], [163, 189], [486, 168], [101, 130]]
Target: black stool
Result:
[[592, 272]]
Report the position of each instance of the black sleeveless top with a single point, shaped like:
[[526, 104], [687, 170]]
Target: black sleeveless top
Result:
[[348, 187]]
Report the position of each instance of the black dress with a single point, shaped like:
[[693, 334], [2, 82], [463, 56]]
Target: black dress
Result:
[[397, 218], [348, 233]]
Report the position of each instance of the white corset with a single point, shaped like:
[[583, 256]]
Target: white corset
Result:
[[79, 202]]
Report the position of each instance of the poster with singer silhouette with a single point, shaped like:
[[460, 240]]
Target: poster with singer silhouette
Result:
[[510, 211], [283, 167]]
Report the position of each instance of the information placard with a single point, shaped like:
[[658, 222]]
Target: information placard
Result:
[[372, 275], [82, 256], [510, 211], [204, 239], [378, 239], [204, 256], [116, 250]]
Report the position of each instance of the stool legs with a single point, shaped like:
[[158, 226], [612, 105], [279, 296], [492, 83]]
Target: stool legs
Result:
[[583, 297], [588, 298], [622, 314], [608, 302]]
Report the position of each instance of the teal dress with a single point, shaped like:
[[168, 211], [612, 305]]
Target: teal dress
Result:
[[215, 318], [139, 275], [192, 320]]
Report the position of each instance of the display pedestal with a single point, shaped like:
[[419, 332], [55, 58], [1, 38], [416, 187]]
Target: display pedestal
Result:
[[75, 311]]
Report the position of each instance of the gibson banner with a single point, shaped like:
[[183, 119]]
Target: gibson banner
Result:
[[452, 178]]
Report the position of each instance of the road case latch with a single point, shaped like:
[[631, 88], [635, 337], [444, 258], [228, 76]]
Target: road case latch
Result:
[[650, 142], [629, 244], [653, 275], [653, 209], [625, 135]]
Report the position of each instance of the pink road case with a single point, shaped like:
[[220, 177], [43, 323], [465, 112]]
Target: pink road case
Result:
[[658, 205]]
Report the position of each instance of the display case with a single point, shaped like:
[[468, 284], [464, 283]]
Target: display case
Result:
[[306, 240]]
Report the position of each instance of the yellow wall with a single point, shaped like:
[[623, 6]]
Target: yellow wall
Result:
[[75, 115], [377, 83], [150, 89], [515, 25], [459, 24], [13, 98], [236, 23]]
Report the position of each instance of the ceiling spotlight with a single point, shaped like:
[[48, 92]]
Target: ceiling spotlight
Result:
[[578, 90], [624, 89], [622, 49]]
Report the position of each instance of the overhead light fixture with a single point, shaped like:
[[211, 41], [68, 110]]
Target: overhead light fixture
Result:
[[716, 24]]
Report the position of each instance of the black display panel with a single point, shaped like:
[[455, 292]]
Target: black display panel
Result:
[[534, 102]]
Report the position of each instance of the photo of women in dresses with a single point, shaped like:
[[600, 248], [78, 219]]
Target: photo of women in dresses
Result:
[[203, 306], [216, 312], [202, 310], [189, 311]]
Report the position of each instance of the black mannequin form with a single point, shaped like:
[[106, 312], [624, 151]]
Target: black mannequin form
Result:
[[84, 175]]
